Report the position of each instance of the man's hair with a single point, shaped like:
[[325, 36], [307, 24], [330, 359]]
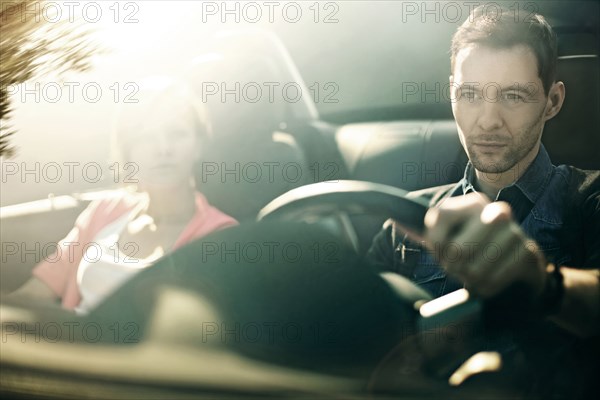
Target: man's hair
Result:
[[505, 29]]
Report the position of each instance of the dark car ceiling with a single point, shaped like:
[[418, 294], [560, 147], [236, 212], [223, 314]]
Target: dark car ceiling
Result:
[[415, 51]]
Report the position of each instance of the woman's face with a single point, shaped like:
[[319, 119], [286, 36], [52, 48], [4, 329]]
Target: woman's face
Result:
[[163, 148]]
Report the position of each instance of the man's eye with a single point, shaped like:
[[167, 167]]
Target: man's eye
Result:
[[512, 97], [471, 96]]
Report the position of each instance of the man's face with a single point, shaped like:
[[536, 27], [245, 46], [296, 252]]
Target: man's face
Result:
[[499, 105]]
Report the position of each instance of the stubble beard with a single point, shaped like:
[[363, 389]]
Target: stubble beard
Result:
[[515, 152]]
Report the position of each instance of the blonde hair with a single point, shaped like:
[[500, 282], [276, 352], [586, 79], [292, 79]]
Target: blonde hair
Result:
[[154, 95]]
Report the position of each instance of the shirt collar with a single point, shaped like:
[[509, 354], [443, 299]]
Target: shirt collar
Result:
[[531, 183], [468, 180]]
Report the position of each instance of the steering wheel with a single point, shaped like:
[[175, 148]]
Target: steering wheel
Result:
[[358, 197], [352, 197]]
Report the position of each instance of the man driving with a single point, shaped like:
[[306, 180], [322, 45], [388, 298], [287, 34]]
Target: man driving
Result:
[[543, 226]]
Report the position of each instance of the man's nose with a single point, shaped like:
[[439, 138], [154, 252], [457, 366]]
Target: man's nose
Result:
[[491, 116]]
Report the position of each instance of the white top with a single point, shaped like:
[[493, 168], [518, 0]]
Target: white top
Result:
[[104, 268]]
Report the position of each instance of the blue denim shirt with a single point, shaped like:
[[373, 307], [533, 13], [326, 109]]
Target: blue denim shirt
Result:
[[558, 207], [538, 200]]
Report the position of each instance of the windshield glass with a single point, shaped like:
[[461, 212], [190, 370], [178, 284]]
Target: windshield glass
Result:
[[168, 122]]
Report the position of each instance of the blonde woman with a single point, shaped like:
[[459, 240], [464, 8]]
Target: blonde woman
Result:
[[114, 238]]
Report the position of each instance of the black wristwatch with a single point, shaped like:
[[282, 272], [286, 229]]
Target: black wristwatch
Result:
[[554, 291]]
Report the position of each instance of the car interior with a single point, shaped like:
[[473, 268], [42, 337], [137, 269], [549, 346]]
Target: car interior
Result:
[[357, 161]]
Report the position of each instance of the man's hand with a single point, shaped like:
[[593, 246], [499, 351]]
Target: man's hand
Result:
[[479, 243]]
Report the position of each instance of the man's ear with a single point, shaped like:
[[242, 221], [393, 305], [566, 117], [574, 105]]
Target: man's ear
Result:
[[556, 97], [453, 93]]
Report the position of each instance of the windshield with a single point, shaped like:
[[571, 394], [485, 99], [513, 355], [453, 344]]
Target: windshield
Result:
[[208, 119], [351, 60]]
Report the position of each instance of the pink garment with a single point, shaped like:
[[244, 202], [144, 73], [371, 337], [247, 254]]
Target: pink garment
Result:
[[59, 271]]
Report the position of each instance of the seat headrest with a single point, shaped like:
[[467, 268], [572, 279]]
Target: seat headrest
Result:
[[573, 136]]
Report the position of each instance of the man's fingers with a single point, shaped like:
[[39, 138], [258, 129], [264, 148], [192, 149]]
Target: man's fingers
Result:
[[467, 228], [444, 222], [494, 213], [465, 248], [456, 207], [483, 253], [477, 242], [498, 268]]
